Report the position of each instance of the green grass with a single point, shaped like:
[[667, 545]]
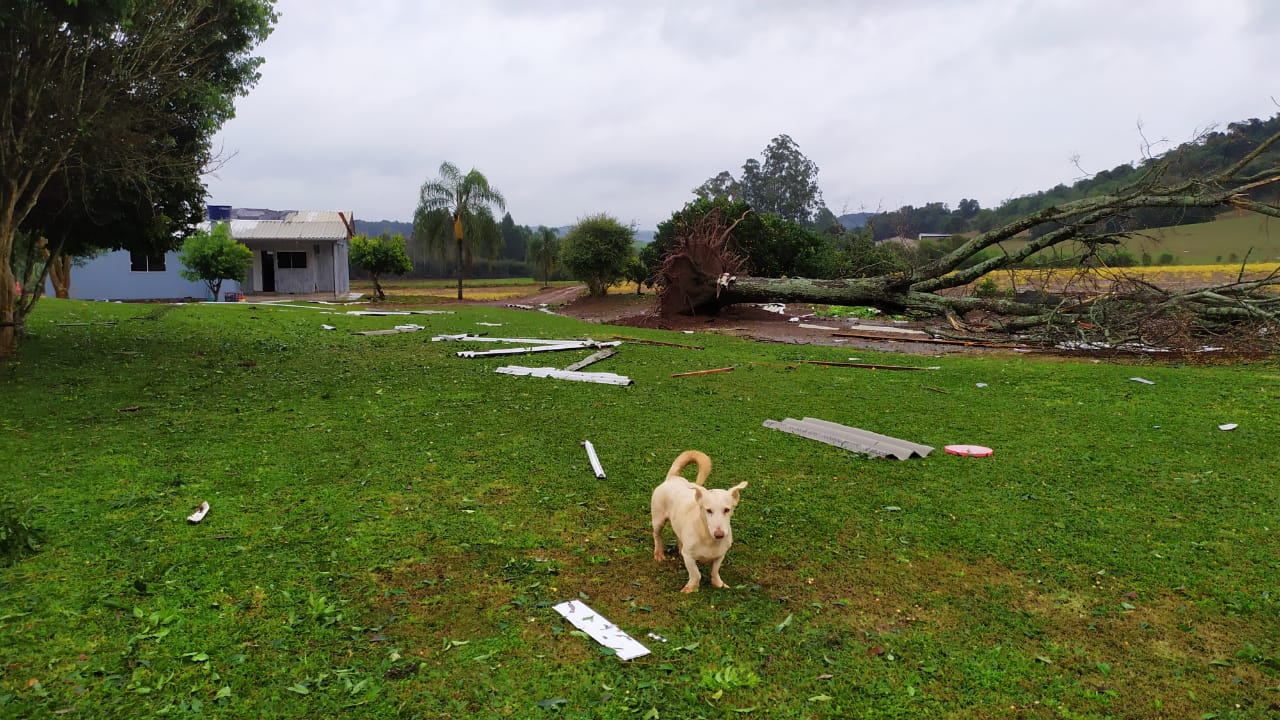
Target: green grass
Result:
[[1229, 239], [391, 524]]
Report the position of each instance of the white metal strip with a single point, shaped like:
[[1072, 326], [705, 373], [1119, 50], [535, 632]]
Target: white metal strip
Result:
[[601, 630]]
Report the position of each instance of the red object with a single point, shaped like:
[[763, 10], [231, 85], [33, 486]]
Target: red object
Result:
[[969, 450]]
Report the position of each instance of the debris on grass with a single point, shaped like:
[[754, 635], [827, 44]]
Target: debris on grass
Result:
[[327, 327], [849, 438], [1144, 381], [1228, 426], [703, 372], [969, 450], [595, 461], [548, 372], [868, 366], [600, 629], [201, 510], [593, 358], [811, 326], [660, 343]]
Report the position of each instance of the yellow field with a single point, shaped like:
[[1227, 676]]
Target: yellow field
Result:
[[1171, 276]]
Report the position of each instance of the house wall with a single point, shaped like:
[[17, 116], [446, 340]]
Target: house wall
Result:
[[109, 277], [326, 270]]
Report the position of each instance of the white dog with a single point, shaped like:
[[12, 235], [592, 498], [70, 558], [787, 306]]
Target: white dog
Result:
[[699, 517]]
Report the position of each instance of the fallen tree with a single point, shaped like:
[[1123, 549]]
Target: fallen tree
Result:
[[704, 273]]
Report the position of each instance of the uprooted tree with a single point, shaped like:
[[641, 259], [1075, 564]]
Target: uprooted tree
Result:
[[705, 271]]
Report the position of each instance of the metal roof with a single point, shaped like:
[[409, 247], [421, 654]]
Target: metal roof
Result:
[[849, 438], [291, 225]]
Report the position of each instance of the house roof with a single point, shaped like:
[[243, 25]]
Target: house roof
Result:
[[250, 224]]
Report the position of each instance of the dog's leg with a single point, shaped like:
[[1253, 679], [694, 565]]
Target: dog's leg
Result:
[[695, 577], [715, 573], [659, 554]]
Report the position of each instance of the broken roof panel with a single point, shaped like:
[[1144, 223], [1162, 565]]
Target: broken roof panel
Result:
[[848, 438]]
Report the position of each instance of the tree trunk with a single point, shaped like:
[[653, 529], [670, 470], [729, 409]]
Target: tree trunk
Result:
[[60, 275], [459, 268]]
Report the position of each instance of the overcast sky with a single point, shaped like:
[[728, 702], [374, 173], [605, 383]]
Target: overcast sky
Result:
[[573, 107]]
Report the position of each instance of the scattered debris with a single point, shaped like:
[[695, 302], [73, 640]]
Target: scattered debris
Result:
[[327, 327], [848, 438], [703, 372], [489, 324], [131, 408], [595, 461], [1228, 426], [201, 510], [593, 358], [656, 342], [391, 331], [601, 630], [519, 306], [778, 308], [549, 372], [969, 450], [934, 389], [377, 313], [1144, 381], [869, 366], [564, 345], [657, 637], [810, 326], [981, 385]]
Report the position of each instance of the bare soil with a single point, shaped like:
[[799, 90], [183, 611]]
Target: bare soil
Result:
[[747, 321]]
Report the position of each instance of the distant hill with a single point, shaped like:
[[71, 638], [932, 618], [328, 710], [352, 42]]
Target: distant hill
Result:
[[377, 227], [854, 221]]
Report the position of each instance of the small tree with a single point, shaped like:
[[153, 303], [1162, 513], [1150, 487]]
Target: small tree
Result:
[[542, 250], [379, 256], [597, 251], [213, 256]]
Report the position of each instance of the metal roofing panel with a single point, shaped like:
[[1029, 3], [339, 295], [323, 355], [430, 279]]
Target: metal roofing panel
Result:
[[321, 228], [849, 438]]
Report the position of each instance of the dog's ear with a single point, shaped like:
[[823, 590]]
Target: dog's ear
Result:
[[734, 490], [697, 492]]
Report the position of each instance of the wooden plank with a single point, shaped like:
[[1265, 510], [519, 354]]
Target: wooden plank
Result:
[[593, 358], [655, 342], [703, 372], [867, 366]]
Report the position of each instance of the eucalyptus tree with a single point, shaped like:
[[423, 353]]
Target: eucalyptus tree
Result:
[[460, 207]]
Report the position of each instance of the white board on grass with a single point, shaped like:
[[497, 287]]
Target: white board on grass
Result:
[[601, 630]]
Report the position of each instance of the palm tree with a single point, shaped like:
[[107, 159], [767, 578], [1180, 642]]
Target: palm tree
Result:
[[463, 204], [543, 250]]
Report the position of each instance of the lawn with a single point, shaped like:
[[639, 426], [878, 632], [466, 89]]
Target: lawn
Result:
[[390, 525]]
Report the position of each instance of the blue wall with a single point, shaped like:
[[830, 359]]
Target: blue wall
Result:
[[109, 277]]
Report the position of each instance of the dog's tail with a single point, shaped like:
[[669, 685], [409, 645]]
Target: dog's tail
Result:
[[692, 456]]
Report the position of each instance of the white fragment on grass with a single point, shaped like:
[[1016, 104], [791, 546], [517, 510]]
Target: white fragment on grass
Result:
[[595, 461], [982, 384], [1144, 381], [601, 630], [327, 327], [199, 514], [657, 637], [1228, 426]]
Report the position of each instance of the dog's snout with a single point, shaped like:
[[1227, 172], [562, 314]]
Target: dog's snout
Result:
[[719, 533]]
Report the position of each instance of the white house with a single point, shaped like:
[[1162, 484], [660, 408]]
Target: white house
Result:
[[294, 252]]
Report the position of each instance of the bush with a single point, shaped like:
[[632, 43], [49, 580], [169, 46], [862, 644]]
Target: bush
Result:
[[18, 536], [597, 251]]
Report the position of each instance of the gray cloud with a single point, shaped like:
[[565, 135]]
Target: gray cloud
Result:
[[572, 108]]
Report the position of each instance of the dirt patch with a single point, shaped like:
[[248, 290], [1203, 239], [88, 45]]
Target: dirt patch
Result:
[[795, 324]]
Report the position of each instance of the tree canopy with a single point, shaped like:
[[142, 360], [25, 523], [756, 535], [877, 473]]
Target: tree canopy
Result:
[[785, 184], [597, 251], [213, 256], [460, 207], [381, 255], [108, 113]]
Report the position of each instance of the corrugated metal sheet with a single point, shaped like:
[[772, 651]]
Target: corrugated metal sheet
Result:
[[853, 439], [296, 225]]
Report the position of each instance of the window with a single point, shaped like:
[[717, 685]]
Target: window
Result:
[[142, 262], [295, 260]]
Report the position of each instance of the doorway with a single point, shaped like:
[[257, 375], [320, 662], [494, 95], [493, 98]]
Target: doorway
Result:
[[268, 271]]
